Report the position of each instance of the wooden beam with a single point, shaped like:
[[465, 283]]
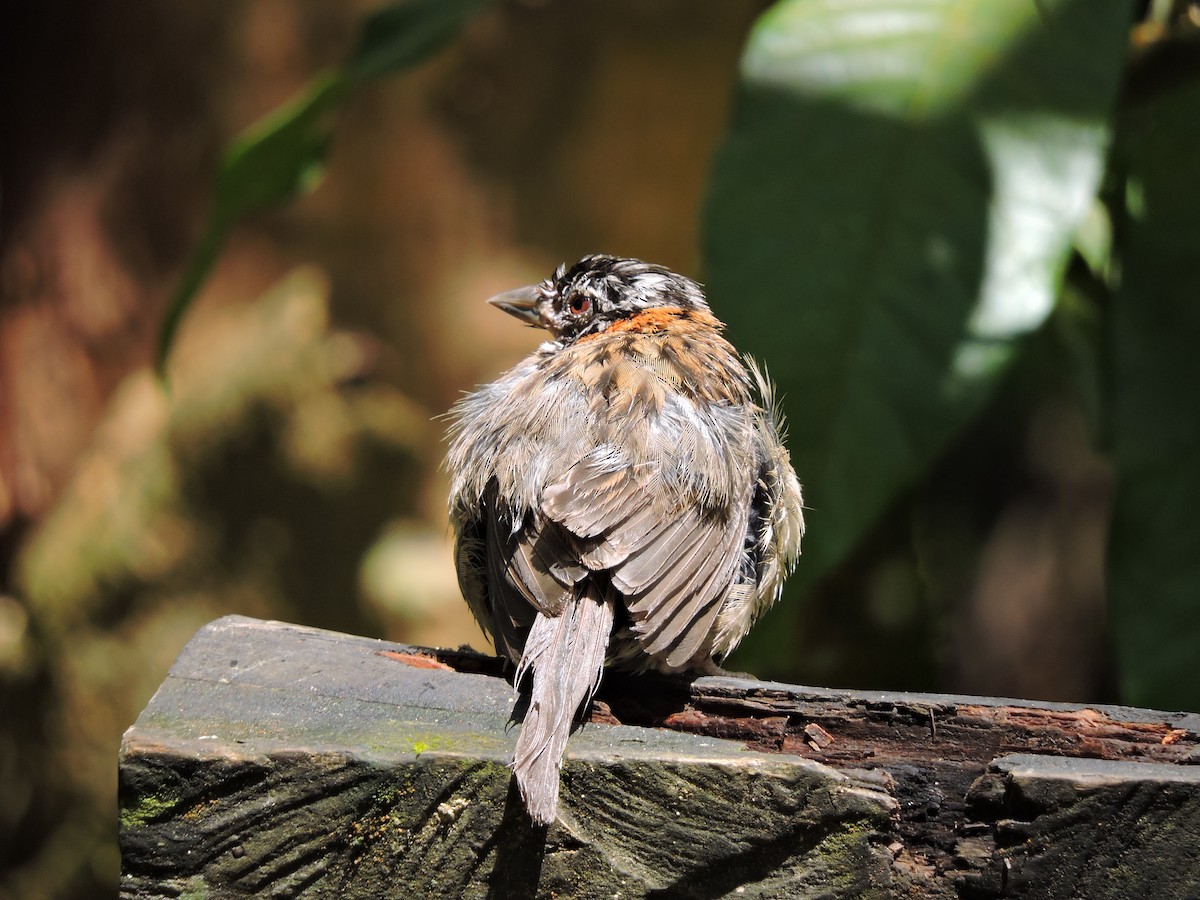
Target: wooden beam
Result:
[[281, 760]]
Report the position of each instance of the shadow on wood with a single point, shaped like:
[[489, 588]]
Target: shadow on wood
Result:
[[520, 848], [283, 760]]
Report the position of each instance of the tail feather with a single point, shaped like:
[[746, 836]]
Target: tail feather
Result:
[[565, 654]]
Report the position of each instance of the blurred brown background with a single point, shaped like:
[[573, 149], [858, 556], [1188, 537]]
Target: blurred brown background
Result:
[[291, 472]]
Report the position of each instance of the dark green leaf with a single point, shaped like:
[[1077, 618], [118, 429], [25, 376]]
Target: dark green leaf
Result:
[[404, 34], [1081, 341], [283, 155], [891, 215], [1155, 551], [279, 157]]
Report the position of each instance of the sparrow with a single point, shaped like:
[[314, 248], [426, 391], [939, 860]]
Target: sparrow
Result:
[[622, 496]]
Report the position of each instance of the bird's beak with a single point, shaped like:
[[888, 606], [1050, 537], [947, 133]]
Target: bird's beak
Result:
[[522, 303]]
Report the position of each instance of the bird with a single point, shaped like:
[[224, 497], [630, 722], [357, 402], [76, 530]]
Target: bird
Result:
[[621, 497]]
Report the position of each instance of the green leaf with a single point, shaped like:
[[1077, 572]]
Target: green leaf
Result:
[[1154, 562], [1081, 343], [891, 215], [279, 157], [283, 155], [404, 34]]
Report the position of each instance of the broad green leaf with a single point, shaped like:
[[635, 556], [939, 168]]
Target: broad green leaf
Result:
[[891, 215], [1154, 563], [283, 155]]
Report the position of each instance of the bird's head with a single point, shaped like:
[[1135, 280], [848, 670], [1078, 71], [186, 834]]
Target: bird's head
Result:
[[597, 292]]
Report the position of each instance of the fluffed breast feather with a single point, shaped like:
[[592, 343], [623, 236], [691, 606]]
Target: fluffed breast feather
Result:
[[626, 473]]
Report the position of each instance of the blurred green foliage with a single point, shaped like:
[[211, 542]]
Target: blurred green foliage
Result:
[[1155, 409]]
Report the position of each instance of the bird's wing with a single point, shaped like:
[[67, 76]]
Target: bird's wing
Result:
[[671, 558], [510, 571], [778, 506], [774, 529]]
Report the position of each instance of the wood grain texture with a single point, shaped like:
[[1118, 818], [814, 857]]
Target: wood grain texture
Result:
[[284, 761]]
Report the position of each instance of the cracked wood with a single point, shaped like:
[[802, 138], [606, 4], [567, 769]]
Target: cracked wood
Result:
[[290, 761]]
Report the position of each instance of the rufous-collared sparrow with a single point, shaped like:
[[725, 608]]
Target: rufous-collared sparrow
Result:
[[619, 495]]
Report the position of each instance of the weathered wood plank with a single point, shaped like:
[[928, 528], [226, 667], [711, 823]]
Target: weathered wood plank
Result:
[[287, 761]]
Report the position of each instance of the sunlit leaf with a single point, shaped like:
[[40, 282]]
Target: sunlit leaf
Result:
[[891, 215]]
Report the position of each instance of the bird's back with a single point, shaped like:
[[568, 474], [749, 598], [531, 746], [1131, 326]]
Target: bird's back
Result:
[[617, 496], [636, 466]]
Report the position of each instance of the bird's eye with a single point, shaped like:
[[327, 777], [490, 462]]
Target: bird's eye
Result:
[[580, 304]]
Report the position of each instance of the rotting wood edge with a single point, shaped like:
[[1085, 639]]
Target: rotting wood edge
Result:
[[937, 755]]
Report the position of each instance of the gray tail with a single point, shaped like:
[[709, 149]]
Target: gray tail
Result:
[[566, 655]]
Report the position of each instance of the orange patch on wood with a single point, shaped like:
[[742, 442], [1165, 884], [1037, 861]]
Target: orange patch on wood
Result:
[[416, 660]]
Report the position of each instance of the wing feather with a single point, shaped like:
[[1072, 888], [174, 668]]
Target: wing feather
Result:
[[557, 554], [671, 561], [684, 602], [647, 564], [511, 613], [594, 495], [546, 587], [668, 541], [471, 566], [624, 538]]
